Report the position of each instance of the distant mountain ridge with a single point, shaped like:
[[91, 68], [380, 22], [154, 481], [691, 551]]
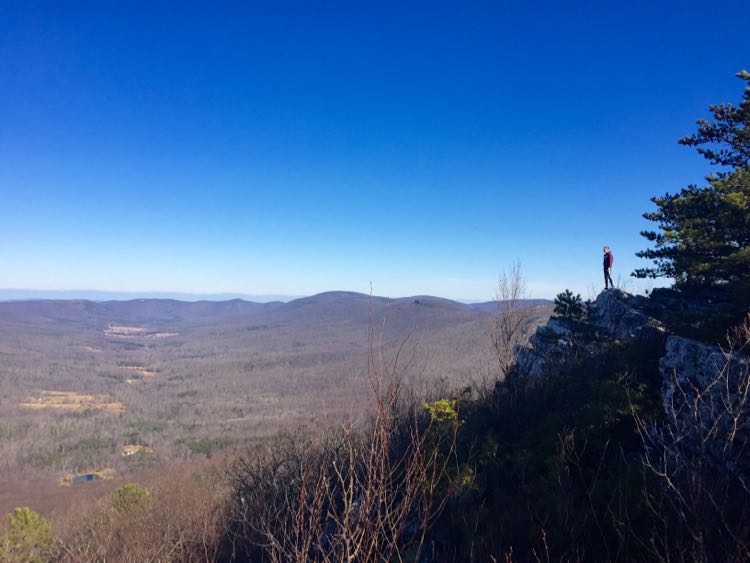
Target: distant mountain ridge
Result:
[[322, 306], [12, 294]]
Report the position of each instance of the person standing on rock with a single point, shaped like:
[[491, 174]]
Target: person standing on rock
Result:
[[608, 261]]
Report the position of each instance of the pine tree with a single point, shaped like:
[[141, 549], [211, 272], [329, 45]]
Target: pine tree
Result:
[[568, 307], [28, 537], [703, 237]]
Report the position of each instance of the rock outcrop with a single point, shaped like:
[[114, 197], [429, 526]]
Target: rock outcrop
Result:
[[549, 345], [689, 367], [614, 315], [705, 397], [622, 316], [691, 360]]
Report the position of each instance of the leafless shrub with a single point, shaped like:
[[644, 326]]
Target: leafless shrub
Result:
[[184, 521], [700, 461], [511, 318], [366, 493]]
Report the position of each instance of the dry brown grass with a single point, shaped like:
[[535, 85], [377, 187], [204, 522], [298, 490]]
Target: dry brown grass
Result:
[[72, 401]]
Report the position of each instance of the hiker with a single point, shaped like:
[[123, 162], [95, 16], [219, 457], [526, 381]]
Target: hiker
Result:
[[608, 261]]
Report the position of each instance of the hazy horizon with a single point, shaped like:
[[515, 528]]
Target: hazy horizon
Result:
[[534, 291], [16, 294]]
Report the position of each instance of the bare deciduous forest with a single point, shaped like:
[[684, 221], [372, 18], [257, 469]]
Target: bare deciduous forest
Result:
[[125, 388]]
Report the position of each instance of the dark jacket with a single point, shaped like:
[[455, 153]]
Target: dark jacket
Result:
[[608, 260]]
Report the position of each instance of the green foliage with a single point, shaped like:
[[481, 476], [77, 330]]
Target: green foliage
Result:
[[28, 539], [568, 307], [442, 411], [206, 446], [129, 498], [113, 376], [730, 132], [78, 452], [703, 236], [148, 425], [548, 458], [130, 345]]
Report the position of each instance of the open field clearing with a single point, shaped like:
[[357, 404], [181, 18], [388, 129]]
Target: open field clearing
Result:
[[137, 332], [133, 449], [140, 370], [126, 331], [72, 401]]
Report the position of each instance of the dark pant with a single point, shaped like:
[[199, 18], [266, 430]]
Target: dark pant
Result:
[[608, 278]]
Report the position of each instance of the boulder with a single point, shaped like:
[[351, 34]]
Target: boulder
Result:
[[621, 316], [557, 328], [550, 344], [529, 361]]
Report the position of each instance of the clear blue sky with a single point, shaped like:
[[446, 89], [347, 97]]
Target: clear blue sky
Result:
[[291, 148]]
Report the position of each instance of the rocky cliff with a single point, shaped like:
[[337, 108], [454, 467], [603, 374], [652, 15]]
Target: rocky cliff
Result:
[[614, 315], [688, 367]]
